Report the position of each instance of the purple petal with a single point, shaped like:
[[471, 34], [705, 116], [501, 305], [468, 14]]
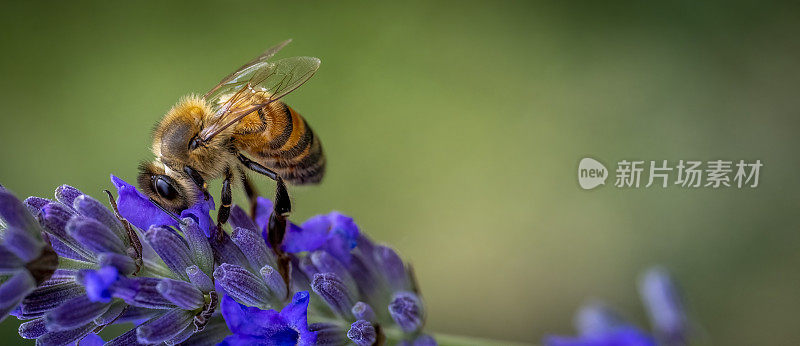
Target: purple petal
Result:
[[334, 232], [624, 336], [91, 339], [98, 283], [136, 207]]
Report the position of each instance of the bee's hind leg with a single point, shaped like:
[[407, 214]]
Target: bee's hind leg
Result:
[[224, 209], [278, 220]]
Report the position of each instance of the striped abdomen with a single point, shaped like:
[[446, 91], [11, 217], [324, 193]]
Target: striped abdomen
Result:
[[279, 138]]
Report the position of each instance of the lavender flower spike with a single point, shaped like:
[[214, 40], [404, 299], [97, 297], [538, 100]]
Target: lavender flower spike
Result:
[[134, 263]]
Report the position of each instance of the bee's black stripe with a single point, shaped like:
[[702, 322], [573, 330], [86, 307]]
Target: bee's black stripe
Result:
[[301, 145], [312, 157], [278, 142]]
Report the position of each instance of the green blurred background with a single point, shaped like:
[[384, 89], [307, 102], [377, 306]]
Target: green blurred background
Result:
[[453, 132]]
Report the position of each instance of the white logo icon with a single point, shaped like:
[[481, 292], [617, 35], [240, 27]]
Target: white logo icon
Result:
[[591, 173]]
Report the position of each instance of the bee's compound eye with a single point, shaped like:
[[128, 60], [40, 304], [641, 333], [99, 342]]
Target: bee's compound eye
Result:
[[164, 188]]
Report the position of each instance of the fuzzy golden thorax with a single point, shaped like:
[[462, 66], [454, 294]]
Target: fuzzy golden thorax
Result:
[[172, 138], [182, 124]]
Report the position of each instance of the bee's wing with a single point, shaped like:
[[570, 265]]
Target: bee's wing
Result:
[[255, 86], [223, 87]]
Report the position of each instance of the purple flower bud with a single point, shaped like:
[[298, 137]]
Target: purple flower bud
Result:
[[362, 311], [199, 279], [181, 293], [44, 299], [406, 311], [14, 213], [94, 235], [111, 315], [198, 245], [274, 282], [425, 340], [92, 208], [32, 329], [35, 204], [67, 194], [22, 243], [14, 290], [182, 336], [123, 263], [362, 333], [164, 327], [225, 251], [240, 219], [392, 267], [65, 337], [253, 247], [334, 292], [328, 334], [325, 263], [141, 292], [244, 286], [9, 262], [664, 305], [74, 313], [597, 319], [171, 248]]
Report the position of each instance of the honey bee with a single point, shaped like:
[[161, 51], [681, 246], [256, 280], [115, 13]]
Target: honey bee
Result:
[[240, 125]]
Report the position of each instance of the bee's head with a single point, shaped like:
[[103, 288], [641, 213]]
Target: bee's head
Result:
[[171, 191]]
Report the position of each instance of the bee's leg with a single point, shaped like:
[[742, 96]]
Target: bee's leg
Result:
[[250, 190], [283, 205], [224, 209], [278, 220], [198, 180]]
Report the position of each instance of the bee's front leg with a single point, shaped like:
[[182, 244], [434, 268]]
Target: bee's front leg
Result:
[[198, 180], [224, 209]]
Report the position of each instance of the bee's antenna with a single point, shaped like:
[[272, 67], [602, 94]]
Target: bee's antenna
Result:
[[177, 219]]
